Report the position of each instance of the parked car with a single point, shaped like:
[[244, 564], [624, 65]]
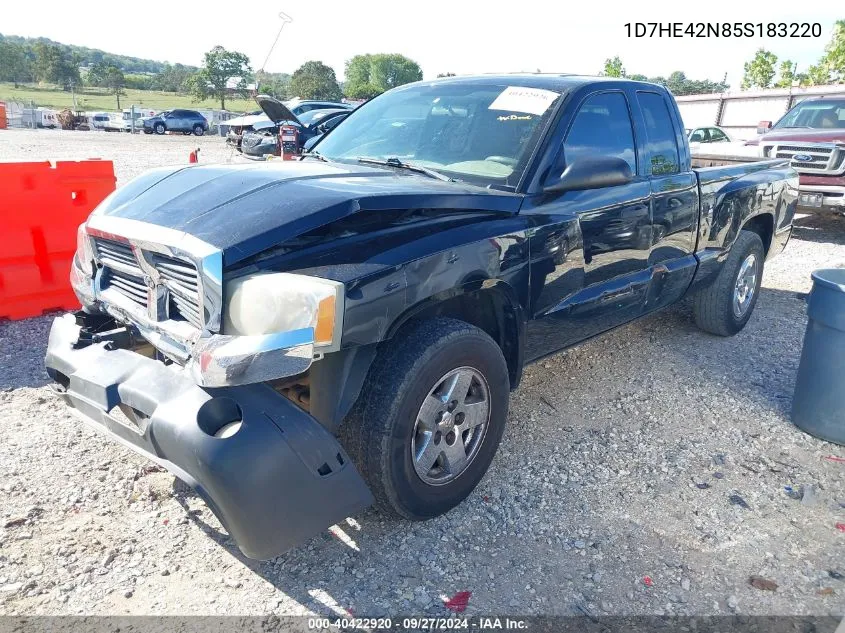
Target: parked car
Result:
[[185, 121], [711, 134], [347, 327], [98, 120], [313, 123], [812, 136], [301, 106]]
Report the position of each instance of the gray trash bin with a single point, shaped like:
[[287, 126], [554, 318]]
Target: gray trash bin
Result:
[[818, 406]]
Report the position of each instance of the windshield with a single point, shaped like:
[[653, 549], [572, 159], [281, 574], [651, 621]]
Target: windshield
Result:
[[823, 114], [482, 134]]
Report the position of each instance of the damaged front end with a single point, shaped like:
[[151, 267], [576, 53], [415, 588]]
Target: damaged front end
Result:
[[149, 362]]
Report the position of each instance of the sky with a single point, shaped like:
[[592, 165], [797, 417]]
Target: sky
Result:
[[462, 37]]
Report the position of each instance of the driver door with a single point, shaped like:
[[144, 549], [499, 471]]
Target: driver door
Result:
[[589, 253]]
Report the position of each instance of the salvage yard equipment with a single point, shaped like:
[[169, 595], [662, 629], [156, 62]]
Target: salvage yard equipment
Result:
[[42, 205]]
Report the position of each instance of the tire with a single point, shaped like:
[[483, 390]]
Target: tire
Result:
[[723, 308], [159, 128], [146, 131], [386, 424], [198, 131], [186, 133]]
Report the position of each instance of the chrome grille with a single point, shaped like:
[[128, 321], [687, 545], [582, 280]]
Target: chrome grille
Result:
[[823, 158], [129, 285], [121, 270], [123, 273], [182, 281], [117, 255]]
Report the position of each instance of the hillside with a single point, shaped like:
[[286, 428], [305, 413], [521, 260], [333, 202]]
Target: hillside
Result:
[[98, 99], [90, 56]]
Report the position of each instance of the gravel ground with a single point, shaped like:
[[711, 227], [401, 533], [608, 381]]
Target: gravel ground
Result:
[[653, 470]]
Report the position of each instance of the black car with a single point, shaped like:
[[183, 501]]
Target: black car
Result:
[[185, 121], [310, 125], [347, 328]]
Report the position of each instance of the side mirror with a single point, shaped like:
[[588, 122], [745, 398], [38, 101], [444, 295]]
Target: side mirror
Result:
[[763, 127], [592, 173]]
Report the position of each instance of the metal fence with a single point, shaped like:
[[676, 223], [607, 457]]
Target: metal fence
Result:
[[20, 115], [740, 112]]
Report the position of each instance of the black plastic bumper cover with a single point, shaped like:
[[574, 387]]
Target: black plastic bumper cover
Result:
[[272, 484]]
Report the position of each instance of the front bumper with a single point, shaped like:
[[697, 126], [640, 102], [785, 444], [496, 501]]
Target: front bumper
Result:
[[279, 479], [833, 197]]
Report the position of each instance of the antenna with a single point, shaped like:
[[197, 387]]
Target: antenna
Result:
[[285, 19]]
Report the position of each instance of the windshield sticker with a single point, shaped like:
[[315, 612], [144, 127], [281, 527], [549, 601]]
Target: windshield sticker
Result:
[[530, 100], [514, 117]]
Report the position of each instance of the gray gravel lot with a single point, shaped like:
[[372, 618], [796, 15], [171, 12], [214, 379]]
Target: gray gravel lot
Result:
[[611, 493]]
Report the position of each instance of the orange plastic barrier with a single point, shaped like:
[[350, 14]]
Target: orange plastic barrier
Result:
[[2, 115], [41, 207]]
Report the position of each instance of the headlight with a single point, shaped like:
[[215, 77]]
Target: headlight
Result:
[[268, 303], [84, 254]]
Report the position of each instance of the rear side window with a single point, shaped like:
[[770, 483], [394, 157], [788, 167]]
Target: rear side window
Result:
[[602, 127], [661, 143], [717, 135]]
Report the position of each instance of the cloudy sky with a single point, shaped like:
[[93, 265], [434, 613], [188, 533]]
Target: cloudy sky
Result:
[[460, 36]]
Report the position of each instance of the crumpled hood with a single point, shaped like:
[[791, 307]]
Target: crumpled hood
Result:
[[245, 209]]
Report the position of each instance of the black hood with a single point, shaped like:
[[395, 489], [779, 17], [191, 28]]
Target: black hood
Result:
[[275, 110], [245, 209]]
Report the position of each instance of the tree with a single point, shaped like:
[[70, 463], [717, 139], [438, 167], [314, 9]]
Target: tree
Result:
[[222, 72], [613, 67], [273, 84], [679, 84], [14, 65], [367, 76], [115, 81], [54, 65], [172, 78], [760, 71], [818, 74], [315, 80], [834, 57], [97, 74], [786, 74]]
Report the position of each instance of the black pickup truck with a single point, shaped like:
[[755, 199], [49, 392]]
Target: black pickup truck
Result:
[[298, 339]]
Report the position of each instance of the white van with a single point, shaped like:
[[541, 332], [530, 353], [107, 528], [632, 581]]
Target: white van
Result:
[[98, 120]]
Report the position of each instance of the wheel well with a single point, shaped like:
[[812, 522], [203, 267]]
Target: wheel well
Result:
[[764, 226], [490, 310]]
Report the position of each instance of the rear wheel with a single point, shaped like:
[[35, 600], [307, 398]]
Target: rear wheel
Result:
[[430, 417], [198, 131], [726, 305]]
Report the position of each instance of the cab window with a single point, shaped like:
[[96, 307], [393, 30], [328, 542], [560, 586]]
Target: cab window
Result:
[[660, 134], [602, 127]]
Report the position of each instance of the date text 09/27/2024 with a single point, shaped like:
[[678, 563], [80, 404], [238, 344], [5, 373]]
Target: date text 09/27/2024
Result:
[[419, 623], [722, 29]]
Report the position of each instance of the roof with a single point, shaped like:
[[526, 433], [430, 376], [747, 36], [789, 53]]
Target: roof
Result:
[[557, 82]]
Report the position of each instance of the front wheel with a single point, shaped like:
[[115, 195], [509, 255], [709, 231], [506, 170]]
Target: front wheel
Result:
[[428, 422], [159, 128], [725, 306]]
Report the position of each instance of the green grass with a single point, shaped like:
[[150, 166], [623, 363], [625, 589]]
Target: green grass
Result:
[[98, 99]]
